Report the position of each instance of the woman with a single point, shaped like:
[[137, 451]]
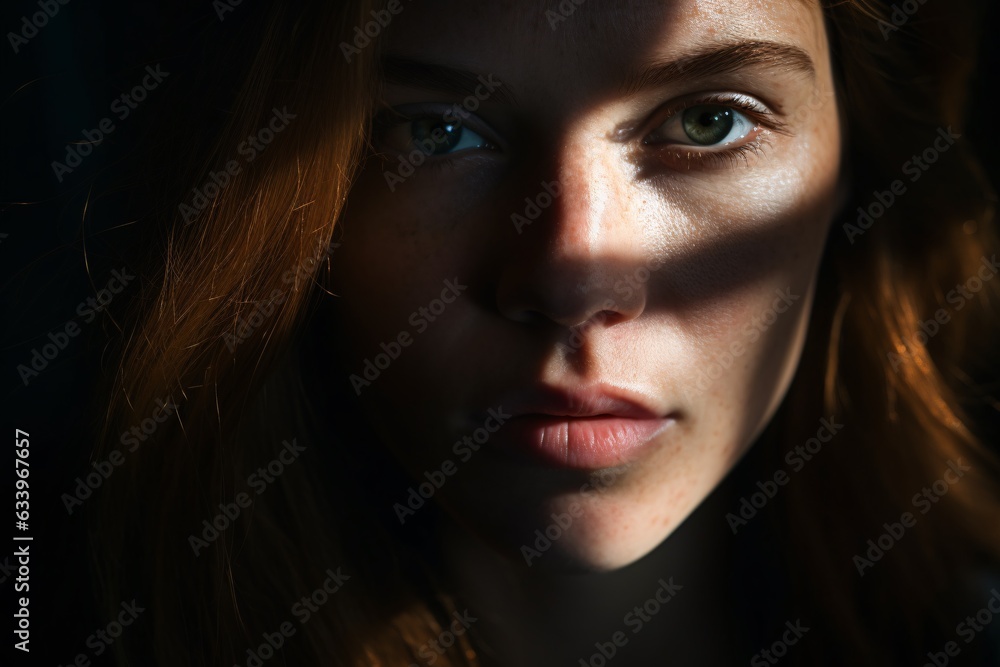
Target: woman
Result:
[[543, 335]]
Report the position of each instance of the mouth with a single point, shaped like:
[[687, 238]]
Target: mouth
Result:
[[583, 429]]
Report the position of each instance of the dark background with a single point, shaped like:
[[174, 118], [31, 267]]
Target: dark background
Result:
[[63, 238]]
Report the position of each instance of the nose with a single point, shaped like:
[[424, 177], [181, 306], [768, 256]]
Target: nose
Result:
[[579, 238]]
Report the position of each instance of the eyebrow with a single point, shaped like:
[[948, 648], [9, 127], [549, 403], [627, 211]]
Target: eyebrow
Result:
[[418, 74], [725, 59]]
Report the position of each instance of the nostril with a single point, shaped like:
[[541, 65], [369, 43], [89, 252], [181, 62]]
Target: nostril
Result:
[[534, 317], [608, 317], [603, 317]]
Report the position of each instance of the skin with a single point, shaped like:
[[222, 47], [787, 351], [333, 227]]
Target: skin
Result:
[[727, 235]]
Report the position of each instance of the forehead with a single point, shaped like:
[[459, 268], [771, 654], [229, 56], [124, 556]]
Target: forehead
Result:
[[600, 35]]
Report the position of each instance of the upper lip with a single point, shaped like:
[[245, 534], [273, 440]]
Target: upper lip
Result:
[[593, 401]]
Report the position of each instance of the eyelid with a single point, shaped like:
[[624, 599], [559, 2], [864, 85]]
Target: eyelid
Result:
[[758, 112], [705, 160], [390, 116], [688, 157]]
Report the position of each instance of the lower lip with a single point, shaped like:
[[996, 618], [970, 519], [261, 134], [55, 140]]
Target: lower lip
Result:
[[583, 443]]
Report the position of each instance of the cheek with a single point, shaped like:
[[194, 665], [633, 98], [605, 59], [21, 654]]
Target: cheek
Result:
[[749, 304], [402, 239], [402, 283], [398, 247], [735, 342], [422, 205]]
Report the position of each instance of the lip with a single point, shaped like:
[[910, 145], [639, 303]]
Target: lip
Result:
[[582, 429]]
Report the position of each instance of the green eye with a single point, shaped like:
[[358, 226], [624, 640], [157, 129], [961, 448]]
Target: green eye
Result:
[[703, 125], [433, 135], [444, 136], [707, 124]]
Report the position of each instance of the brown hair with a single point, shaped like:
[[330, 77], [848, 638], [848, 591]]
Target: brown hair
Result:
[[902, 394], [238, 402]]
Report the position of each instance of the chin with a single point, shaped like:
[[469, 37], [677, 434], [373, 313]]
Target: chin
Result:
[[599, 535], [597, 557]]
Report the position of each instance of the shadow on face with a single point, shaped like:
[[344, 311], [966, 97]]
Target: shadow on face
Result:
[[577, 225]]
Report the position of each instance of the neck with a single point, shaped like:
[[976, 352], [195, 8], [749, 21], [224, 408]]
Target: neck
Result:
[[670, 603]]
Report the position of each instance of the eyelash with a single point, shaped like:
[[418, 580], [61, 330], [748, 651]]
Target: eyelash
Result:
[[682, 156], [390, 117], [726, 158], [685, 157]]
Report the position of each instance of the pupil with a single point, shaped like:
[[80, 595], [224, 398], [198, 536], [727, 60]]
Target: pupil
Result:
[[424, 129], [707, 125]]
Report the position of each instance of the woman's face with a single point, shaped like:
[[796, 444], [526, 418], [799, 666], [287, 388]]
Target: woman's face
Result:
[[576, 275]]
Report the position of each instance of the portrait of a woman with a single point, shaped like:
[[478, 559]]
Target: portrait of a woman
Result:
[[573, 333]]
